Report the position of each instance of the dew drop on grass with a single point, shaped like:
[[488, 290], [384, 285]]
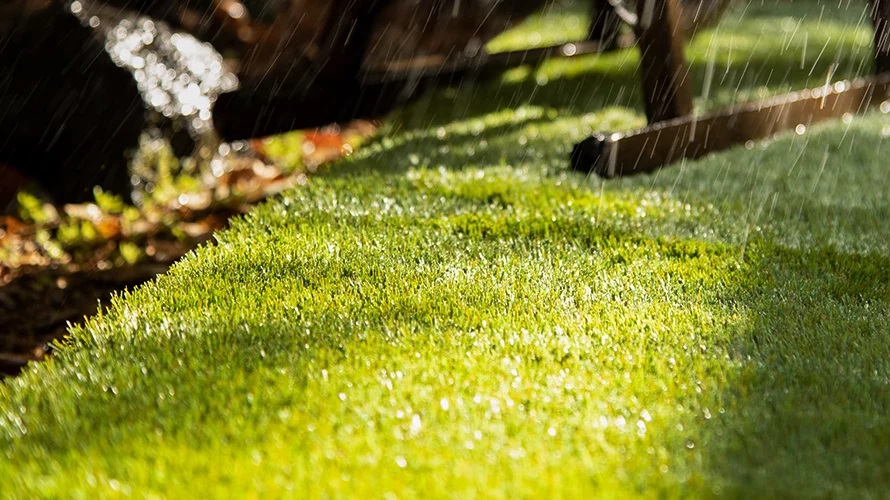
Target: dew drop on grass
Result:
[[416, 424]]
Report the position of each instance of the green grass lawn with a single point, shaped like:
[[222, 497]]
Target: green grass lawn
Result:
[[452, 313]]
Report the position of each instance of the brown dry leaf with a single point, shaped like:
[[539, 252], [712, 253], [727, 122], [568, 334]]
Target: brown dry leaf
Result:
[[109, 226], [10, 225], [326, 138]]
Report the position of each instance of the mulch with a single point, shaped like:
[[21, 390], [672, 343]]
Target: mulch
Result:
[[39, 305]]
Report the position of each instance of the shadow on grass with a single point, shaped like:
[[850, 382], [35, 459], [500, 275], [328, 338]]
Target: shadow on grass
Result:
[[806, 412]]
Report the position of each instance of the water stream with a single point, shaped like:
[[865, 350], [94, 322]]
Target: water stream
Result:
[[179, 78]]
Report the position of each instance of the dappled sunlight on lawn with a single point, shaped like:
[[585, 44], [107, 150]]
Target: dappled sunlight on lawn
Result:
[[452, 312]]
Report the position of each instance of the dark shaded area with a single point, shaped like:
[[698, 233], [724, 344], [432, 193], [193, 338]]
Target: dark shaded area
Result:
[[288, 85], [68, 115], [813, 369], [37, 308]]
